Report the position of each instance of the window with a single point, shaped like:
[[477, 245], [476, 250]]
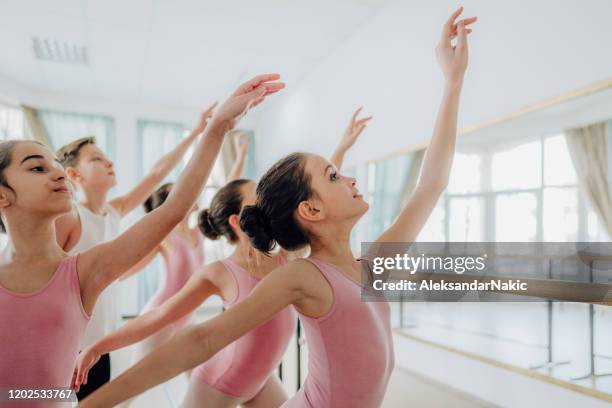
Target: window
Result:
[[155, 139], [12, 123], [64, 127], [526, 192]]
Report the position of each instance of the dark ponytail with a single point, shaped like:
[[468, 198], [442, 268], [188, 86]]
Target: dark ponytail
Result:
[[158, 197], [205, 223], [214, 222], [279, 192]]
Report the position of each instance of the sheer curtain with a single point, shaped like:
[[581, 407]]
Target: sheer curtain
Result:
[[12, 123], [390, 189], [64, 127], [154, 140], [590, 148]]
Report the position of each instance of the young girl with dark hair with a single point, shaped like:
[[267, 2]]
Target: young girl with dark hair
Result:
[[303, 201], [46, 296], [94, 220], [242, 373]]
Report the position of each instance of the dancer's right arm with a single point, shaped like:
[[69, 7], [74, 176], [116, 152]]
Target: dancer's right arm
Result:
[[104, 263], [288, 284], [199, 288], [351, 134], [241, 145]]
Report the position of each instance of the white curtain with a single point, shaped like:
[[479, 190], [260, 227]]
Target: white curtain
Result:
[[12, 123], [64, 127], [590, 148], [34, 125]]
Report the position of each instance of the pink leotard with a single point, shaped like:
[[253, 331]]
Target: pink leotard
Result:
[[40, 333], [350, 349], [181, 262], [241, 369]]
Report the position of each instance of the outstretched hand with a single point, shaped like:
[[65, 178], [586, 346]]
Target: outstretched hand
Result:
[[204, 117], [453, 59], [241, 142], [247, 96], [354, 129], [87, 359]]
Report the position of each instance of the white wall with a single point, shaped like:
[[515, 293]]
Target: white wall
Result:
[[520, 53]]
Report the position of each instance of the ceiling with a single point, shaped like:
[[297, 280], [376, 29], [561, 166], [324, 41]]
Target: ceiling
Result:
[[172, 52]]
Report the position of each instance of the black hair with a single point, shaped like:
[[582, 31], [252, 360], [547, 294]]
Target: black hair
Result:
[[214, 221], [279, 192], [6, 154], [158, 197]]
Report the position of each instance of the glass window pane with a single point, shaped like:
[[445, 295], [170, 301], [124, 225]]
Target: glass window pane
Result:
[[65, 127], [12, 123], [560, 214], [156, 139], [433, 230], [517, 168], [465, 219], [558, 166], [596, 230], [465, 174], [516, 217]]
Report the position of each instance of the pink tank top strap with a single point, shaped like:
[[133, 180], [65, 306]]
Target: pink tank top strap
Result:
[[337, 279], [240, 277], [70, 273]]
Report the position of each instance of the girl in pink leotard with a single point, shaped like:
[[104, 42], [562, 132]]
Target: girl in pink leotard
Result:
[[241, 373], [46, 296], [182, 252], [303, 201]]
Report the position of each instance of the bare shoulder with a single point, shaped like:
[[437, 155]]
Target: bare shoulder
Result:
[[301, 275], [214, 272], [67, 226]]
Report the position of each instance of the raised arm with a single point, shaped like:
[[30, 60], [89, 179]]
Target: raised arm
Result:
[[193, 294], [126, 203], [199, 343], [439, 157], [102, 264], [140, 265], [241, 145], [352, 132]]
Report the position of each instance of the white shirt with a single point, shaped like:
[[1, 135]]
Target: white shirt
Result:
[[96, 229]]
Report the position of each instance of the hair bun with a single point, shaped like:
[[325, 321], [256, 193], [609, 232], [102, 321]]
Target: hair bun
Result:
[[206, 225], [254, 223]]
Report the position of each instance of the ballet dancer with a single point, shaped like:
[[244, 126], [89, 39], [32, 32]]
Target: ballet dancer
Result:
[[241, 374]]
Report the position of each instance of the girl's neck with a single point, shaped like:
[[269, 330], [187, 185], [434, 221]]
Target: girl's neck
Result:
[[333, 246], [94, 201], [256, 264], [34, 240]]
